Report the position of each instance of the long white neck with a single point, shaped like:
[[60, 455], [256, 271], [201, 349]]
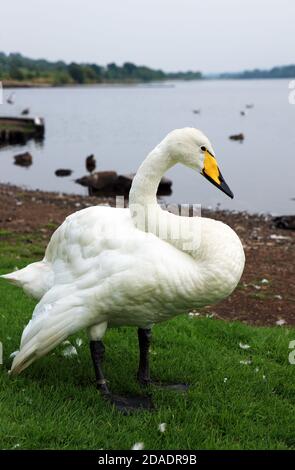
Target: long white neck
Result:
[[181, 232], [146, 181], [146, 213], [214, 247]]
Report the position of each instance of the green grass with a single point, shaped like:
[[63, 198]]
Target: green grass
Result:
[[54, 404]]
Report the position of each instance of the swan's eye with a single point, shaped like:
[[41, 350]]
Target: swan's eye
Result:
[[203, 148]]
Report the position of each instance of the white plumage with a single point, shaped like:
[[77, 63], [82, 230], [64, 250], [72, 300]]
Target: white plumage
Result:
[[103, 267]]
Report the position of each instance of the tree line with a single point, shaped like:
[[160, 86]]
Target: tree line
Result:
[[16, 67], [285, 71]]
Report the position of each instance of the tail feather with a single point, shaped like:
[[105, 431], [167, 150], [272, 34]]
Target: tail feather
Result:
[[47, 329], [35, 279]]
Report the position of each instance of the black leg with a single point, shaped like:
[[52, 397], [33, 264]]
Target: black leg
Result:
[[143, 374], [97, 350], [124, 404], [144, 341]]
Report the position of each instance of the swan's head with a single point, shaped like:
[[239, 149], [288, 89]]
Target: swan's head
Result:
[[192, 148]]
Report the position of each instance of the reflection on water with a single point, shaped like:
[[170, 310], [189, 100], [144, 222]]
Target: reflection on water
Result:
[[121, 124]]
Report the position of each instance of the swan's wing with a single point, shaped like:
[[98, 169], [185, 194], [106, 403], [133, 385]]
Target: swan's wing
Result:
[[58, 315], [85, 253], [101, 265], [78, 245]]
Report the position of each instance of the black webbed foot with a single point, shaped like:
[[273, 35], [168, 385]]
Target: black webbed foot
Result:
[[143, 374], [177, 387], [130, 404], [125, 405]]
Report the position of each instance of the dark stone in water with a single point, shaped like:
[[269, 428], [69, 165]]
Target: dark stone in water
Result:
[[109, 183], [286, 222], [99, 180], [23, 159], [63, 172], [123, 185], [240, 137]]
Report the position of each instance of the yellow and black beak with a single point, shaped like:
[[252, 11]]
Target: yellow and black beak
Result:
[[212, 173]]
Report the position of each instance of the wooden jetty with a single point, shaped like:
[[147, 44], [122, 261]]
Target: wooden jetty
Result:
[[15, 130]]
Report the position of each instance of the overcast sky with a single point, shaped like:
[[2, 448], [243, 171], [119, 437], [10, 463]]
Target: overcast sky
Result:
[[206, 35]]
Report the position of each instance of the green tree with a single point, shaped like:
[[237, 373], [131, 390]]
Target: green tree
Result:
[[76, 72], [113, 71], [16, 73]]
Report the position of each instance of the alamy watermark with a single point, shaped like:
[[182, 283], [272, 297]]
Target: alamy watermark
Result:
[[175, 224]]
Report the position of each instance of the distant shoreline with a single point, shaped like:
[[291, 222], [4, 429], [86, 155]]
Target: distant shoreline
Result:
[[19, 84], [18, 71]]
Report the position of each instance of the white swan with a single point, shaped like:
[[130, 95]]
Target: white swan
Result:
[[106, 267]]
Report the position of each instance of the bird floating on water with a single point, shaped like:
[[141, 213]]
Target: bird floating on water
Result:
[[239, 137], [10, 99], [25, 112], [108, 267], [63, 172], [90, 163]]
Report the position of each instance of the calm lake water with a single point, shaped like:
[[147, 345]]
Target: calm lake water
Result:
[[121, 124]]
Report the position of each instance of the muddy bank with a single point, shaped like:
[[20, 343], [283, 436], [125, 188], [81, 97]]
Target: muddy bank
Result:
[[266, 293]]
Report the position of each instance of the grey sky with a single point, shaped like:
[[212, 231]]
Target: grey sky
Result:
[[209, 35]]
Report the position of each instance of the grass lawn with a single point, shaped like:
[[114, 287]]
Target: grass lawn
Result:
[[230, 405]]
